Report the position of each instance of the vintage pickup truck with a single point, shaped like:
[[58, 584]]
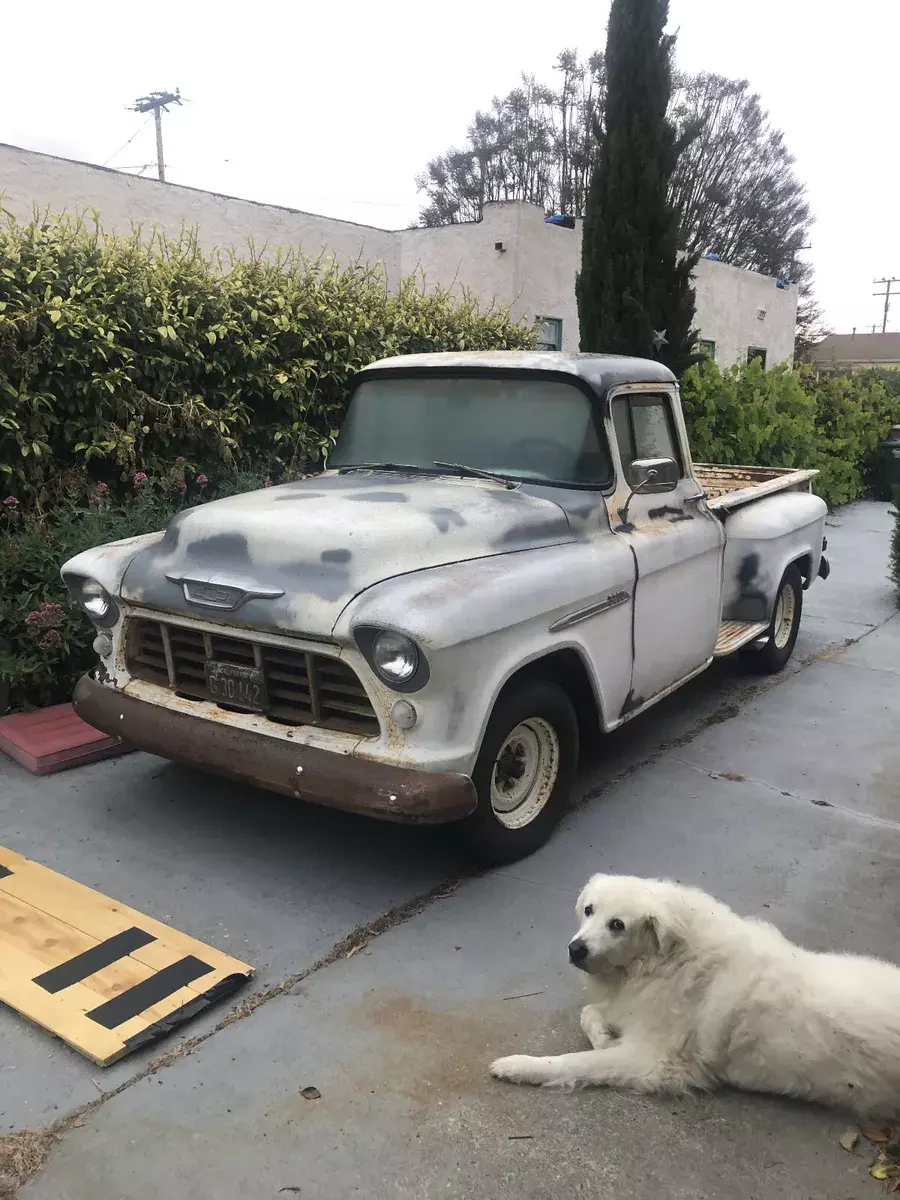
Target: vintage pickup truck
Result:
[[507, 555]]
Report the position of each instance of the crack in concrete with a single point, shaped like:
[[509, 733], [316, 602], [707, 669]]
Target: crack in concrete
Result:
[[23, 1153], [853, 813], [356, 940], [731, 707]]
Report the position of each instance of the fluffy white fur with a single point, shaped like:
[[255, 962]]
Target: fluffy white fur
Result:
[[690, 995]]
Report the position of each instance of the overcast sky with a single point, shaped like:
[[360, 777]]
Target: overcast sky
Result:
[[334, 107]]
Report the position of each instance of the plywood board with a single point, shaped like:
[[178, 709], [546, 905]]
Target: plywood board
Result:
[[100, 975]]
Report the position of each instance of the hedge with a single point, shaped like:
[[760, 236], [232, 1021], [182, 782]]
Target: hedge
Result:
[[121, 354], [45, 639], [139, 377], [792, 418]]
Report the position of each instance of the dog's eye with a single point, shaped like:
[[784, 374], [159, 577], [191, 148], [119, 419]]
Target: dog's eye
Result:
[[589, 910], [617, 925]]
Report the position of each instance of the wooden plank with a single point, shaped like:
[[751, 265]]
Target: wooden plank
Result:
[[75, 962], [99, 916], [51, 942], [68, 1022]]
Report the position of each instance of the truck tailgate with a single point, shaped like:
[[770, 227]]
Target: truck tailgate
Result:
[[728, 487]]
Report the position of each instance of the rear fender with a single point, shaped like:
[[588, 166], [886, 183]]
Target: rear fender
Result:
[[762, 539]]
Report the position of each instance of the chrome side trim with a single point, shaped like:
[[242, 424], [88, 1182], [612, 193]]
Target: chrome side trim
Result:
[[592, 610]]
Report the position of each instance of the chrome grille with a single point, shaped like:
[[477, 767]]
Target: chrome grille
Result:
[[302, 688]]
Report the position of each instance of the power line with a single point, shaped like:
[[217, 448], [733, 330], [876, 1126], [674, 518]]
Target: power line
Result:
[[130, 140]]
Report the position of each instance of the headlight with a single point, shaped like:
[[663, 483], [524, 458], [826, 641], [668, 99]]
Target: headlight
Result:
[[95, 600], [395, 657]]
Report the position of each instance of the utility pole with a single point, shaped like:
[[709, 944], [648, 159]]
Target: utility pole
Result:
[[157, 103], [887, 299]]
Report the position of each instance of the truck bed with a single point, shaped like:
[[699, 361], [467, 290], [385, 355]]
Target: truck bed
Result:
[[728, 487]]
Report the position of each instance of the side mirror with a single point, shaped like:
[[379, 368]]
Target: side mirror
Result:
[[653, 475]]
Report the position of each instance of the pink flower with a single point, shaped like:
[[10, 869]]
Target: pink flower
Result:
[[182, 487], [139, 479], [14, 547], [202, 480], [46, 616], [94, 501], [102, 487], [11, 502], [179, 459], [268, 483], [51, 640]]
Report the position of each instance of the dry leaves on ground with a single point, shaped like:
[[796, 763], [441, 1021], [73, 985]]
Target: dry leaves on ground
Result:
[[886, 1139]]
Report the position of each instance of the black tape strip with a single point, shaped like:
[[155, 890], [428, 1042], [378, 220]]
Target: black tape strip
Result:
[[4, 871], [102, 955], [149, 991], [225, 987]]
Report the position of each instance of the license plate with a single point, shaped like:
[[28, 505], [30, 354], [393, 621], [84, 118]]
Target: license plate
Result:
[[242, 687]]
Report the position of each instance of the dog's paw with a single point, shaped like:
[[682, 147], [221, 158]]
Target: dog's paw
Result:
[[520, 1068]]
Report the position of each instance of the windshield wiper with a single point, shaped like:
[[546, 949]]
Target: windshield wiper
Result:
[[477, 473], [381, 466]]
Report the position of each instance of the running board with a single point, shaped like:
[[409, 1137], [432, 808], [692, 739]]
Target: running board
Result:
[[734, 634]]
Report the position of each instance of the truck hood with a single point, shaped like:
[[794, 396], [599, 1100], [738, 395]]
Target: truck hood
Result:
[[290, 558]]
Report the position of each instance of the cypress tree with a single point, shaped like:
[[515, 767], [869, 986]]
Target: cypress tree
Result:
[[634, 291]]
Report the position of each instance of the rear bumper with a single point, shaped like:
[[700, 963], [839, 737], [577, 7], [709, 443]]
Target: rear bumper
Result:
[[307, 772]]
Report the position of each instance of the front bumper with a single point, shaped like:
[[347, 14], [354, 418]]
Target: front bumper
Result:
[[308, 772]]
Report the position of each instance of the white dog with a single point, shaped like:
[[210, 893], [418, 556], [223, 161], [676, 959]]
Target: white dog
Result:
[[690, 995]]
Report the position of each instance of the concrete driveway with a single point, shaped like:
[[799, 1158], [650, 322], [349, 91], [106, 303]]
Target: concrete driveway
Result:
[[781, 797]]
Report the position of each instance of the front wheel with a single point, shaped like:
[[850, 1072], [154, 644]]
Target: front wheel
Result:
[[524, 773], [770, 658]]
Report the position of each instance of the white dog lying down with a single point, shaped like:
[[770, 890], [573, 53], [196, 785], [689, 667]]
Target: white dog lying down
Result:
[[687, 994]]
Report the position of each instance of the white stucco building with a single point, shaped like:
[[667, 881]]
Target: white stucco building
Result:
[[513, 256]]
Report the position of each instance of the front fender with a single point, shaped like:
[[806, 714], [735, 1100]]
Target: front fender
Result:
[[108, 563], [480, 622]]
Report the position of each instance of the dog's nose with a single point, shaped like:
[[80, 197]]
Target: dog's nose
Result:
[[578, 951]]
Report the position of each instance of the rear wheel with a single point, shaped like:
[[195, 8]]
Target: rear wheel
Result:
[[524, 773], [782, 633]]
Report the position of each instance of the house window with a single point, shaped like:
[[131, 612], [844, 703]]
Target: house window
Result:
[[757, 354], [549, 333], [707, 348]]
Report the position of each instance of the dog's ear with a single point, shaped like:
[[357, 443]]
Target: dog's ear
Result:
[[665, 935]]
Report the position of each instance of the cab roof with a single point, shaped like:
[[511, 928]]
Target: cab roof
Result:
[[599, 371]]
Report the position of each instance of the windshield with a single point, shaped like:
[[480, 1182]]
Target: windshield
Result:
[[530, 429]]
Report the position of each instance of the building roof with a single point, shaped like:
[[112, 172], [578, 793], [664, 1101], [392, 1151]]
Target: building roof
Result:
[[858, 348], [600, 371]]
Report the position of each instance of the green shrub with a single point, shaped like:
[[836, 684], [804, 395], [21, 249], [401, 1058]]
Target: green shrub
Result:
[[45, 639], [894, 572], [118, 355], [782, 418]]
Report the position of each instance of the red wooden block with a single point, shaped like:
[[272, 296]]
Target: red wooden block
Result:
[[53, 739]]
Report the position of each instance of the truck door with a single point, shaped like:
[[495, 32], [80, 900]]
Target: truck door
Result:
[[676, 542]]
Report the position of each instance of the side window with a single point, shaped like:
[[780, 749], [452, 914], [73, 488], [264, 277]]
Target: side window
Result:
[[644, 428]]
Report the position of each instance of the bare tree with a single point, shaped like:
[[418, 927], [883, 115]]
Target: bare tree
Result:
[[735, 187]]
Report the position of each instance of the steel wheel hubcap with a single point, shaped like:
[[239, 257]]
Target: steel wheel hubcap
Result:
[[784, 617], [524, 773]]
